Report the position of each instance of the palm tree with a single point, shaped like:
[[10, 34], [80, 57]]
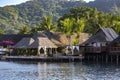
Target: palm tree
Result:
[[79, 27], [67, 27], [116, 26], [47, 23], [24, 30], [35, 29]]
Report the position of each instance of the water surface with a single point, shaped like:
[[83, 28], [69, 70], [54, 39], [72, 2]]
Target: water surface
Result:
[[58, 71]]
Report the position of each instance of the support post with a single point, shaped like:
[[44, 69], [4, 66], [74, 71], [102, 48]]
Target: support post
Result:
[[94, 58], [106, 58], [111, 58], [38, 52], [72, 50], [102, 58], [45, 51], [88, 58], [117, 58], [97, 58]]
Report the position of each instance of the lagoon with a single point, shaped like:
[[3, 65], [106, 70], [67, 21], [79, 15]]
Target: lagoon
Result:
[[58, 71]]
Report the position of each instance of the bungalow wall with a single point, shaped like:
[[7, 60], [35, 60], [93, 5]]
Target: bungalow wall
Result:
[[95, 48]]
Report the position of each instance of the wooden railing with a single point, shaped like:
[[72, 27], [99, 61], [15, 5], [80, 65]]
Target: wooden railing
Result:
[[93, 49], [114, 49]]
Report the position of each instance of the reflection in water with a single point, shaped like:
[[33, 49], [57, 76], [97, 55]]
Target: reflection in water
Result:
[[58, 71], [42, 71]]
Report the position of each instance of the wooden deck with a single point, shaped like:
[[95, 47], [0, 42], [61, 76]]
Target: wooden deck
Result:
[[44, 58]]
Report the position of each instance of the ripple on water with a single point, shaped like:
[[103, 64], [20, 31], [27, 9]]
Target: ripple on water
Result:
[[58, 71]]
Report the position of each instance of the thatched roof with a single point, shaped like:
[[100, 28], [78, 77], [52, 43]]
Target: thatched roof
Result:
[[103, 35], [24, 43], [46, 34], [48, 39], [42, 42], [61, 39]]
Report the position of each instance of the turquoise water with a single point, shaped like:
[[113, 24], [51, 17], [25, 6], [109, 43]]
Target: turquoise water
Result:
[[58, 71]]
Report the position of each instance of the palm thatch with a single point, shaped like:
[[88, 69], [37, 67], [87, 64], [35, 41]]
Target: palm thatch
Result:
[[42, 42], [48, 39], [66, 41], [61, 39], [49, 35], [24, 43]]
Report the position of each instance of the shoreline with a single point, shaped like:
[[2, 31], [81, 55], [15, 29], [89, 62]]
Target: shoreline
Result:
[[44, 58]]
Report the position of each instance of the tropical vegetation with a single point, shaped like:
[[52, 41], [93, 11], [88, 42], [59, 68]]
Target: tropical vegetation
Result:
[[30, 14]]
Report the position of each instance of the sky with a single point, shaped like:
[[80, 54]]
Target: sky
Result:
[[14, 2], [11, 2]]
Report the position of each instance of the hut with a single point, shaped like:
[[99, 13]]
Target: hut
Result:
[[98, 42], [114, 46], [48, 42], [43, 45], [63, 42], [22, 47], [36, 44]]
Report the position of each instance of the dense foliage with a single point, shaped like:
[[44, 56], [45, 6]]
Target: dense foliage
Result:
[[92, 19], [29, 16]]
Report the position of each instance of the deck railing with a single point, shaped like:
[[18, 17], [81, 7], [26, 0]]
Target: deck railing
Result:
[[92, 49], [114, 49], [95, 49]]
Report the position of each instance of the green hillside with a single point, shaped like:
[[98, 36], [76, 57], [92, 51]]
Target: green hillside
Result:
[[14, 18]]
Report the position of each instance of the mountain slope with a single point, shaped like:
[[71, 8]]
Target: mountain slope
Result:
[[13, 18]]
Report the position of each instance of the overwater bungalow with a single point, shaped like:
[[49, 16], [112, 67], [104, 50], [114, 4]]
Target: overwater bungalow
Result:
[[98, 42]]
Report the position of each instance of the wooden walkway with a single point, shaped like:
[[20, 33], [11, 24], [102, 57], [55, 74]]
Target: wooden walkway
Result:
[[44, 58]]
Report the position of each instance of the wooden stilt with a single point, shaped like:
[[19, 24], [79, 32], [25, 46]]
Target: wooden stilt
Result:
[[88, 58], [72, 59], [106, 58], [111, 58], [94, 58], [97, 58], [102, 58], [117, 58]]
